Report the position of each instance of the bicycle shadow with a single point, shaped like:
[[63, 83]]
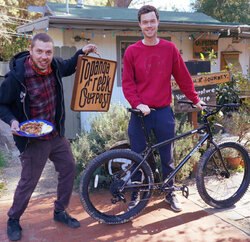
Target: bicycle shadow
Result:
[[144, 224]]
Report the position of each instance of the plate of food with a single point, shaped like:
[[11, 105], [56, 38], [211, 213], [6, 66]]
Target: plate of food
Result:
[[35, 128]]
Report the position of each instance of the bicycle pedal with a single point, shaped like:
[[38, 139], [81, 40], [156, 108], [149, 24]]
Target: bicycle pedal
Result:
[[185, 191]]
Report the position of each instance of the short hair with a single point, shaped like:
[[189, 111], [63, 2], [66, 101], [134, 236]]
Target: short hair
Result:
[[43, 37], [147, 9]]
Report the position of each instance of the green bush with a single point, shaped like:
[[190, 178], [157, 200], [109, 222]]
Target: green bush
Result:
[[2, 160], [181, 149], [237, 124], [105, 130]]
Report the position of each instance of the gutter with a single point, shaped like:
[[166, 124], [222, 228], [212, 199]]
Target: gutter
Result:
[[104, 24]]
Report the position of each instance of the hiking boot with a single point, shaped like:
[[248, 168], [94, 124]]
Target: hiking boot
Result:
[[135, 199], [14, 230], [65, 218], [173, 201]]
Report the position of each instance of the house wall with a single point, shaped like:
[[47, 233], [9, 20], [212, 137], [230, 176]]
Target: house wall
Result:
[[106, 43]]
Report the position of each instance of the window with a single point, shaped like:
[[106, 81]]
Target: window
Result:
[[232, 58], [122, 43]]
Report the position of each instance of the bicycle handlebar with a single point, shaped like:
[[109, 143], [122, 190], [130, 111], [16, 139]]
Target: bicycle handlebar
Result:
[[214, 111], [138, 111], [208, 113], [229, 105]]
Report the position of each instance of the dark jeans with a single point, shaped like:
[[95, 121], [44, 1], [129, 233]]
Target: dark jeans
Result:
[[162, 123], [33, 160]]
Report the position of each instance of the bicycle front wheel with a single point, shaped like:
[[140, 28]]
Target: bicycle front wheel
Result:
[[222, 185], [104, 192]]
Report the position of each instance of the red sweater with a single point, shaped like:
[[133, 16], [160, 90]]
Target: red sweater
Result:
[[147, 74]]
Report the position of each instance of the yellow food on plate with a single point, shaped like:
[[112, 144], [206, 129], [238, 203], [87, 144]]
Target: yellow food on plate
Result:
[[36, 128]]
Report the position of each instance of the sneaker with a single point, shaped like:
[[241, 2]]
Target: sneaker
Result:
[[14, 230], [173, 201], [135, 199], [64, 217]]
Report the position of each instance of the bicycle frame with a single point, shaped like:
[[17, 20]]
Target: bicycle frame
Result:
[[151, 148]]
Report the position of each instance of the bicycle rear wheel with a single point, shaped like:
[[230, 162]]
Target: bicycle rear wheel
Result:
[[101, 192], [220, 186]]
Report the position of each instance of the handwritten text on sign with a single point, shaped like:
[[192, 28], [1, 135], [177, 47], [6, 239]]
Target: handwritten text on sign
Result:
[[206, 94], [205, 46], [208, 79], [93, 84]]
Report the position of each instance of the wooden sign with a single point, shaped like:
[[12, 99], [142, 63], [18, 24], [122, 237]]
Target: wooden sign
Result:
[[208, 79], [205, 46], [93, 85], [205, 86], [207, 94]]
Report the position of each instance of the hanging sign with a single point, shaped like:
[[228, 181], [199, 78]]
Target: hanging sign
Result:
[[93, 85], [207, 79], [205, 46]]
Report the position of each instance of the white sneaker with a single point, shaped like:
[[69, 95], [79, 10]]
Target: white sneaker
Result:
[[173, 201]]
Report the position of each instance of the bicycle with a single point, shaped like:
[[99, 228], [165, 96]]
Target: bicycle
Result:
[[107, 182]]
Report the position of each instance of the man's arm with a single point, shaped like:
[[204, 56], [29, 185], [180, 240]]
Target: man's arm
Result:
[[7, 97], [128, 83], [68, 66]]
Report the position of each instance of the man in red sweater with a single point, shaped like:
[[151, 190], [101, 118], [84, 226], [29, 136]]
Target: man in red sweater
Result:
[[146, 83]]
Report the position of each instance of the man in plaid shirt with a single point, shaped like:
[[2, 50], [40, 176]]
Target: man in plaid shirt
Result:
[[33, 90]]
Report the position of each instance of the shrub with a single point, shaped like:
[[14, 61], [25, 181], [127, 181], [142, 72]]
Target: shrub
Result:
[[237, 124], [2, 160], [105, 130], [181, 149]]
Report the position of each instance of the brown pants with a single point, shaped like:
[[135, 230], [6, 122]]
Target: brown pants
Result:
[[33, 160]]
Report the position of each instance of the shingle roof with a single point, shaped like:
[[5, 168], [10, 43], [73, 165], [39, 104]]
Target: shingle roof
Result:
[[111, 18], [123, 14]]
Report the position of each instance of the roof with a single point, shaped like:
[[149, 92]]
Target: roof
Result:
[[57, 15], [125, 14]]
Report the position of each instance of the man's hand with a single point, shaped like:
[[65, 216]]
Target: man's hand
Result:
[[199, 105], [90, 48], [14, 127], [144, 108]]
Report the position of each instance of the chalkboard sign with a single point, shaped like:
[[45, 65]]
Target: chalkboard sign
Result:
[[207, 94], [93, 84]]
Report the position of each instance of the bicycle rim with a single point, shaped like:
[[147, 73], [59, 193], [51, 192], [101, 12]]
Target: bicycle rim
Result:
[[101, 183], [222, 186]]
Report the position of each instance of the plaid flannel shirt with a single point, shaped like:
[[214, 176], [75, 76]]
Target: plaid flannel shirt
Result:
[[42, 96]]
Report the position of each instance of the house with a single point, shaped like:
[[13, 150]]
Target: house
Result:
[[113, 29]]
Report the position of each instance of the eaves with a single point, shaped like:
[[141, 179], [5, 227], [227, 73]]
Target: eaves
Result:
[[101, 24]]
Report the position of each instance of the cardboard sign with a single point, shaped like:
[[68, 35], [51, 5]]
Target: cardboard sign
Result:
[[93, 85], [208, 79], [207, 94]]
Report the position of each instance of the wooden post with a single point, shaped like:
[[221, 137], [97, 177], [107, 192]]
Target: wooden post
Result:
[[193, 119]]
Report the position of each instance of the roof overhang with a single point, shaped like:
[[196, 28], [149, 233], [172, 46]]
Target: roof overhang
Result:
[[91, 24]]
